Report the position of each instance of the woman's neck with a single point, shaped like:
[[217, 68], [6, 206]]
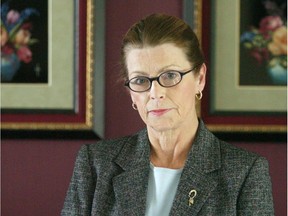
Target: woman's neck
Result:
[[170, 148]]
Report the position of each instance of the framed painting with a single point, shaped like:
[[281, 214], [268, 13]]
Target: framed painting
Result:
[[242, 98], [52, 88]]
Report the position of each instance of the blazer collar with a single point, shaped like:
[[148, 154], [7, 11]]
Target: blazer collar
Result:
[[135, 151], [199, 173]]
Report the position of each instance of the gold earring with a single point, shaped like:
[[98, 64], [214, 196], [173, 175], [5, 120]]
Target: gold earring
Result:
[[134, 106], [199, 95]]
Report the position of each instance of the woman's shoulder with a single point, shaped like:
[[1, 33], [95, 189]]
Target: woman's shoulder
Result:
[[108, 148], [232, 151], [229, 153], [236, 158]]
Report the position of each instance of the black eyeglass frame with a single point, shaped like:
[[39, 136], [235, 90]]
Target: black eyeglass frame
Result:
[[127, 83]]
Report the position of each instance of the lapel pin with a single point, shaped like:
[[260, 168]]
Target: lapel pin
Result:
[[192, 195]]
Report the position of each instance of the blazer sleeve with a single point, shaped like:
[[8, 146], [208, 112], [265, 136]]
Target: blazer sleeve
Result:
[[255, 197], [79, 197]]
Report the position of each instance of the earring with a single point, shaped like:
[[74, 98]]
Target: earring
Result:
[[134, 106], [199, 95]]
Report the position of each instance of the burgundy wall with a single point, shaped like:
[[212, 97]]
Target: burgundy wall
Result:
[[36, 173]]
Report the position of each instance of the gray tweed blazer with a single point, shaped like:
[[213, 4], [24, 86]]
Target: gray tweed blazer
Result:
[[111, 178]]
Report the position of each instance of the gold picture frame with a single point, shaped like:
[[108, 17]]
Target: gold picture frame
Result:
[[248, 120], [81, 115]]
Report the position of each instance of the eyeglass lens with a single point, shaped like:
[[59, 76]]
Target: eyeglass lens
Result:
[[166, 79]]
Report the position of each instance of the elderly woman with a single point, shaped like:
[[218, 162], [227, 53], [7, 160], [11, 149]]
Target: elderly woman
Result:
[[175, 166]]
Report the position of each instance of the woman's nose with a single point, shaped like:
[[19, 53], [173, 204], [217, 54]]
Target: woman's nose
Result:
[[157, 91]]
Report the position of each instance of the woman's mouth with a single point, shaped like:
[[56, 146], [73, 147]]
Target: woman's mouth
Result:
[[159, 112]]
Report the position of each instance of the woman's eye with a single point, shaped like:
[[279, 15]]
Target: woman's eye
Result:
[[170, 75], [139, 81]]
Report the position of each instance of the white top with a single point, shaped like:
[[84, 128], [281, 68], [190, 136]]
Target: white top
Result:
[[162, 187]]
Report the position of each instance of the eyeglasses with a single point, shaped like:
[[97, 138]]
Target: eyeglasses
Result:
[[166, 79]]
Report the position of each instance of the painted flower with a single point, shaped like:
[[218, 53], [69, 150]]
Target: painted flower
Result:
[[23, 35], [4, 36], [13, 16], [7, 49], [261, 55], [268, 24], [278, 46], [24, 54]]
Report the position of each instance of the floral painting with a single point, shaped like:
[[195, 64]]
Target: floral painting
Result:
[[24, 41], [263, 43]]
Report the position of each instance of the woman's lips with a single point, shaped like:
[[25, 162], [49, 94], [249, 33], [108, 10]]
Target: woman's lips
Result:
[[158, 112]]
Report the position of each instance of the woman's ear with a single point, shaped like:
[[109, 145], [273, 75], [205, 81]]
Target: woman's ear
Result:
[[202, 77]]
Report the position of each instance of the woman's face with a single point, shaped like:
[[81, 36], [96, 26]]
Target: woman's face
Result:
[[165, 108]]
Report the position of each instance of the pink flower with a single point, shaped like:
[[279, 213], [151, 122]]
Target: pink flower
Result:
[[24, 54], [12, 16], [270, 23]]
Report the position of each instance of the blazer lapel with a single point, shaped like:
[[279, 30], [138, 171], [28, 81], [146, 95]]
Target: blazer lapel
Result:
[[199, 174], [131, 185]]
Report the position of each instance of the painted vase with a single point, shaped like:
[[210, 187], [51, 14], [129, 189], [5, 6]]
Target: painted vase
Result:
[[278, 74], [10, 64]]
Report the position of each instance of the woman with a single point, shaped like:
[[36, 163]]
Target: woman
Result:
[[175, 166]]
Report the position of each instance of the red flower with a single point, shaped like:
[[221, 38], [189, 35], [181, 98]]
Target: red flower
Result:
[[7, 49], [260, 54], [270, 23], [24, 54]]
